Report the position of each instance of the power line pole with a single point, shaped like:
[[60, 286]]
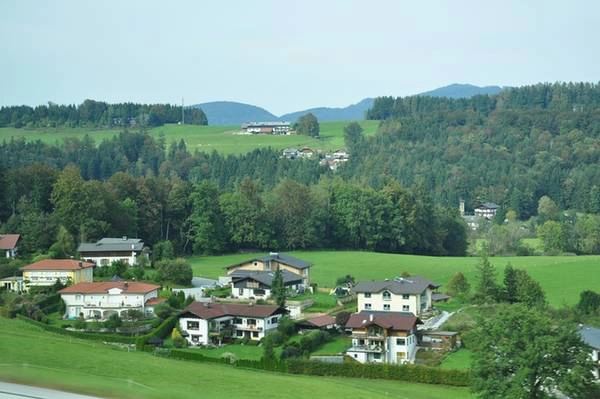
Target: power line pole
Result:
[[182, 113]]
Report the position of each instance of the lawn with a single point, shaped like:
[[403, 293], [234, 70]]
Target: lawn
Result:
[[322, 301], [459, 360], [335, 347], [30, 355], [562, 277], [223, 139], [251, 352]]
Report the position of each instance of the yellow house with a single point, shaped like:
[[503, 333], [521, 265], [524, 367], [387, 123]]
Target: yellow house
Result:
[[47, 271], [272, 262]]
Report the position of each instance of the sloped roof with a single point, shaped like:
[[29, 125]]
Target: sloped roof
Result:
[[264, 277], [9, 241], [128, 287], [155, 301], [400, 285], [591, 336], [488, 205], [112, 244], [213, 310], [279, 257], [398, 321], [321, 321], [58, 264]]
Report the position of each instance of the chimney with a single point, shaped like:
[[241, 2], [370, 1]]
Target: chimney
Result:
[[461, 207], [371, 317]]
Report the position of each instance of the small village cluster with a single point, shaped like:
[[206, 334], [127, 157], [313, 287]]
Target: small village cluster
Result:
[[394, 318]]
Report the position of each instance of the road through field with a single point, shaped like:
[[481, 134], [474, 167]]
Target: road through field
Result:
[[13, 391]]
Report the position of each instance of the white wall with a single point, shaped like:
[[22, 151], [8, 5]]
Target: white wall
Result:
[[130, 258], [87, 303], [201, 334], [248, 293], [396, 302]]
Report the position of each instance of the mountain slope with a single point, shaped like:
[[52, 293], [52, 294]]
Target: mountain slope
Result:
[[458, 90], [233, 113], [323, 114]]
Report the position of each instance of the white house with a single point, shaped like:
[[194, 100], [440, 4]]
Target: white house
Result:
[[8, 244], [14, 283], [102, 299], [591, 336], [46, 272], [487, 210], [275, 261], [249, 284], [109, 250], [210, 323], [409, 294], [267, 127], [383, 337]]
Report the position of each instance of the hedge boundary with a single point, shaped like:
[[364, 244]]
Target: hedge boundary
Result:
[[410, 373]]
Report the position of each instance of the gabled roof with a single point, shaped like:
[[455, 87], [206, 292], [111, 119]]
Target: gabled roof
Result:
[[400, 285], [9, 241], [112, 244], [488, 205], [279, 257], [321, 321], [208, 311], [591, 336], [58, 264], [265, 278], [128, 287], [397, 321]]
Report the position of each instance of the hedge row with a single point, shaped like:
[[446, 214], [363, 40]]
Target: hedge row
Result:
[[80, 334], [411, 373], [162, 331]]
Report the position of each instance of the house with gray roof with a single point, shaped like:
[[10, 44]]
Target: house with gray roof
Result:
[[591, 337], [108, 250], [402, 294], [250, 284], [487, 210], [272, 262]]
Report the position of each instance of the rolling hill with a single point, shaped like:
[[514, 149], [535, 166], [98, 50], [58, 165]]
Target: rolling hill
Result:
[[233, 113], [324, 114], [459, 90]]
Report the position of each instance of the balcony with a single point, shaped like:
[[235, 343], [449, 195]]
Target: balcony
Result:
[[368, 335], [367, 348], [248, 327]]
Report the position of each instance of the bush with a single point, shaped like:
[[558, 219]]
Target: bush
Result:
[[113, 322], [163, 330], [79, 324], [286, 326], [178, 271]]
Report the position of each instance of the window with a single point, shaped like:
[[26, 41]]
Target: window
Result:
[[251, 322], [376, 356], [387, 296], [400, 341], [254, 334], [386, 306], [361, 341], [193, 325], [367, 306], [237, 320], [355, 355], [239, 333], [195, 338], [240, 291], [367, 295], [273, 320], [405, 308], [252, 284], [104, 262], [405, 296]]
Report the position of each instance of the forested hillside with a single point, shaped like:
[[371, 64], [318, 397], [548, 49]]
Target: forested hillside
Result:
[[512, 148], [97, 114]]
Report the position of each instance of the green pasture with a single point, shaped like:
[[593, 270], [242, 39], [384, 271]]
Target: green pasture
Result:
[[223, 139], [459, 360], [31, 355], [562, 277]]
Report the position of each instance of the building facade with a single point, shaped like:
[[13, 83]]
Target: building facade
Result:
[[102, 299], [272, 262], [383, 337], [258, 284], [46, 272], [109, 250], [8, 244], [591, 337], [267, 127], [411, 294], [211, 323], [487, 210]]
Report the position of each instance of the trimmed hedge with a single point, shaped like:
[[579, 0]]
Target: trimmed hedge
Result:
[[162, 331], [123, 339], [411, 373]]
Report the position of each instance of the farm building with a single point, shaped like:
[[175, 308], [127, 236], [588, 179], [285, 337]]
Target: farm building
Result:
[[267, 127]]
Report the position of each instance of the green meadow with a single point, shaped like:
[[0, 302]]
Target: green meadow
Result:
[[223, 139], [562, 277], [31, 355]]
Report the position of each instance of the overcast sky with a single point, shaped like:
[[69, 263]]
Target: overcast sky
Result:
[[284, 55]]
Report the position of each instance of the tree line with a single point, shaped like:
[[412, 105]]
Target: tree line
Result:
[[92, 113]]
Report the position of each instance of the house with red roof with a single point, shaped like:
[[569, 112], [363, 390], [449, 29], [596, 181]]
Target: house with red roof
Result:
[[209, 323], [383, 337], [46, 272], [102, 299], [8, 244]]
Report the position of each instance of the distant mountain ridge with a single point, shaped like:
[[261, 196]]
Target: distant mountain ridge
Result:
[[235, 113], [460, 90]]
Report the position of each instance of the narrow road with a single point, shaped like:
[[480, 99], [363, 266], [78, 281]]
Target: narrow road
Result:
[[15, 391]]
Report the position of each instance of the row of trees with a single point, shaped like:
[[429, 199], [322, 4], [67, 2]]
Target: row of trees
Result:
[[204, 218], [98, 114]]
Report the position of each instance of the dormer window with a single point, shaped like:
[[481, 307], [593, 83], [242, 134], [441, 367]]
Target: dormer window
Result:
[[405, 296], [367, 295], [387, 296]]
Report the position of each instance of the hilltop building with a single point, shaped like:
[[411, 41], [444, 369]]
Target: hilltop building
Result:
[[109, 250], [267, 128]]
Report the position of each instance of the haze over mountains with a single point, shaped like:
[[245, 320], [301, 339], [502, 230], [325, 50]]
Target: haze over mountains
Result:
[[235, 113]]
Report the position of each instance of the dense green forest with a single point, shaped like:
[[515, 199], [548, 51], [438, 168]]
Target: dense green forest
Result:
[[97, 114], [511, 149]]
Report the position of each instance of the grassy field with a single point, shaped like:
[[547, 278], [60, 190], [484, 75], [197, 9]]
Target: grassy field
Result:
[[251, 352], [459, 360], [335, 347], [30, 355], [562, 277], [205, 138], [322, 301]]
